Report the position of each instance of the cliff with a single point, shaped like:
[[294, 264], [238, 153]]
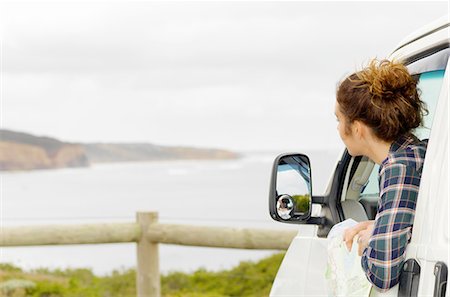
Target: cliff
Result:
[[22, 151]]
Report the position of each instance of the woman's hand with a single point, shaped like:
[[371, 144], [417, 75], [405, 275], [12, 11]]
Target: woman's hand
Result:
[[363, 238], [361, 227]]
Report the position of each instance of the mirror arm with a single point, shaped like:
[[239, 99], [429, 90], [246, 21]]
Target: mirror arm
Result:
[[317, 221], [318, 199]]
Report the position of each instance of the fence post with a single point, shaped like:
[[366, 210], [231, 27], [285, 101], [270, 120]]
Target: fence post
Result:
[[147, 272]]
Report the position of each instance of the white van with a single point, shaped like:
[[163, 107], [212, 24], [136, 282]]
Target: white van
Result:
[[352, 190]]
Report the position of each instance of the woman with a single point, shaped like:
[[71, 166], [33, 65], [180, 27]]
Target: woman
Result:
[[377, 109]]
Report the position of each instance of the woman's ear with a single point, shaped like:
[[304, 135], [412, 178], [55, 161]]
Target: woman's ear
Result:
[[358, 129]]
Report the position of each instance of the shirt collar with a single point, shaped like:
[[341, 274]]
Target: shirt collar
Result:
[[401, 143]]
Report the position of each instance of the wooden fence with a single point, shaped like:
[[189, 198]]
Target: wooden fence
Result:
[[147, 233]]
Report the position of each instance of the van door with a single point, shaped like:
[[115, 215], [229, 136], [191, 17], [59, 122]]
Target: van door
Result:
[[429, 246]]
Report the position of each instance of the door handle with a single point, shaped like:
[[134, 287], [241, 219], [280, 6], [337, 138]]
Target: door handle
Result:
[[409, 279], [440, 282]]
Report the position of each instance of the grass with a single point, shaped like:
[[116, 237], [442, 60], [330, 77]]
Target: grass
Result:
[[251, 279]]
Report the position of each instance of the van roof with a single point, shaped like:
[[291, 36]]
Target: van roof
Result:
[[439, 24]]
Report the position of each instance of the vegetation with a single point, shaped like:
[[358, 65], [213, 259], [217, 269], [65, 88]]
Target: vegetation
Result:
[[247, 279], [301, 203]]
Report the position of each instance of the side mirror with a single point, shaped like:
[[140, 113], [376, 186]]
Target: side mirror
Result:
[[290, 197]]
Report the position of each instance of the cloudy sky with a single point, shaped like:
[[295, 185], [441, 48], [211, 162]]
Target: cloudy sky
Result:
[[237, 75]]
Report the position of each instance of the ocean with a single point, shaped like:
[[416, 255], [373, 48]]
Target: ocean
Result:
[[230, 193]]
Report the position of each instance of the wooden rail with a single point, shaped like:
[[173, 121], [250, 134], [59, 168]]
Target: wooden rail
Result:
[[147, 233]]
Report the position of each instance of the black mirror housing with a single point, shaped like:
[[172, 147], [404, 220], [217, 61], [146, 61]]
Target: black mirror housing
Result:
[[290, 193]]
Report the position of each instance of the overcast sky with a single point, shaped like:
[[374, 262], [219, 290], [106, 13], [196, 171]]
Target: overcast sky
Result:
[[237, 75]]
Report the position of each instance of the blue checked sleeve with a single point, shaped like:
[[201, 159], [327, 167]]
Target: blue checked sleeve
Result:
[[383, 258]]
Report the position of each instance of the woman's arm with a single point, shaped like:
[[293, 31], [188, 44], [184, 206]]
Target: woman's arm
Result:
[[383, 258]]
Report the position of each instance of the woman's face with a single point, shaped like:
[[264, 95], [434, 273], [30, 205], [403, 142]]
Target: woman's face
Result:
[[352, 143]]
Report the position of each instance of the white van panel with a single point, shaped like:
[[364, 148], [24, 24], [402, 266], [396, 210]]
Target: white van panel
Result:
[[432, 213], [430, 223], [424, 30], [302, 272], [422, 44], [430, 239]]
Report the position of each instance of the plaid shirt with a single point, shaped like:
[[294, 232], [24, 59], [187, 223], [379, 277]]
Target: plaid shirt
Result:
[[399, 179]]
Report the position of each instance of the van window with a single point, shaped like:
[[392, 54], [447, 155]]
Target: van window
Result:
[[429, 84], [430, 87]]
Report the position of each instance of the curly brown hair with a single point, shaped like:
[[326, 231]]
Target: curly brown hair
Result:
[[384, 96]]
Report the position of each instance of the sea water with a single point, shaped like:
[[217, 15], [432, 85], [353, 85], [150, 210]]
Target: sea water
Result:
[[230, 193]]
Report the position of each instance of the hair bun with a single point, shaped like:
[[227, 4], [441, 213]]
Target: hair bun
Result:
[[383, 96], [385, 78]]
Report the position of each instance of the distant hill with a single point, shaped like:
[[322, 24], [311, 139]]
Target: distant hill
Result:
[[22, 151], [124, 152]]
